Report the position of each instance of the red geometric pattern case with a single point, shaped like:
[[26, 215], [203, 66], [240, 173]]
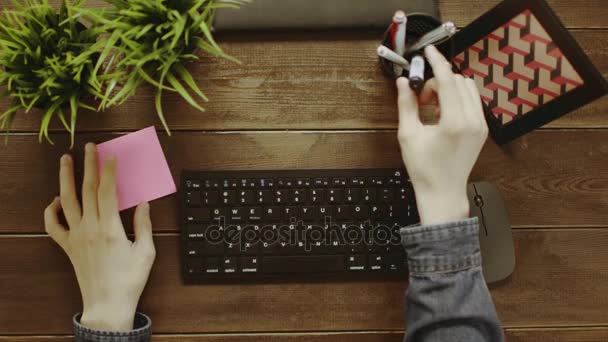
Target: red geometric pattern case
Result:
[[517, 68]]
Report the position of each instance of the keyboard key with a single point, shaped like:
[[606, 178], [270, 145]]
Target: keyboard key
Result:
[[368, 195], [395, 181], [290, 212], [357, 181], [402, 195], [211, 184], [361, 212], [376, 262], [300, 196], [230, 265], [263, 197], [302, 182], [196, 231], [395, 262], [268, 247], [317, 196], [339, 182], [282, 196], [218, 214], [236, 214], [321, 182], [379, 212], [335, 195], [250, 248], [230, 183], [193, 184], [352, 195], [386, 195], [266, 183], [309, 214], [211, 198], [326, 211], [212, 265], [377, 181], [194, 265], [272, 214], [232, 248], [356, 263], [355, 246], [249, 264], [193, 198], [335, 247], [195, 248], [246, 197], [212, 248], [285, 183], [228, 197], [344, 213], [303, 264], [254, 214], [197, 215], [317, 247]]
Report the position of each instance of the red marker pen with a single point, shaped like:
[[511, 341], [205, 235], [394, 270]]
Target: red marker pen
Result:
[[397, 35]]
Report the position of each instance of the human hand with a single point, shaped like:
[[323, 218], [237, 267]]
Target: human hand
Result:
[[111, 270], [440, 157]]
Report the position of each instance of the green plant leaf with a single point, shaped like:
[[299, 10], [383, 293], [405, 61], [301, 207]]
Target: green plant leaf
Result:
[[187, 77], [159, 110], [73, 114], [182, 91]]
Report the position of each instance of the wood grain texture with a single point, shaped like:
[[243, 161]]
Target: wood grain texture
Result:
[[548, 178], [574, 13], [560, 279], [516, 335], [512, 335], [294, 81]]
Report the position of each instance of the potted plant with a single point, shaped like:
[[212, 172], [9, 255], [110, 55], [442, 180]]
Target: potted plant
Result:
[[151, 41], [46, 63]]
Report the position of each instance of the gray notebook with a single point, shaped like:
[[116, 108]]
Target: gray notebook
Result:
[[318, 14]]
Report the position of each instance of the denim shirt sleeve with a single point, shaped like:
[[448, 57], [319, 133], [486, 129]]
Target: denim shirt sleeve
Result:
[[142, 331], [447, 298]]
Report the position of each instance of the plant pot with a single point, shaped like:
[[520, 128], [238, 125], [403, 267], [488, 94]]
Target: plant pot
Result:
[[418, 24]]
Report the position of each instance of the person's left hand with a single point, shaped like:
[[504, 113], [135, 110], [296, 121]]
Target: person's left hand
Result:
[[111, 270]]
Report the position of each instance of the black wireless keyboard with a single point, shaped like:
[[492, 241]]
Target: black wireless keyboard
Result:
[[260, 224]]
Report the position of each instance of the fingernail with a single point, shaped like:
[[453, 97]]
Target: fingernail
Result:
[[145, 206], [65, 159], [89, 147]]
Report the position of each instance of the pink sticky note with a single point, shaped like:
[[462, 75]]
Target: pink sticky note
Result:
[[142, 172]]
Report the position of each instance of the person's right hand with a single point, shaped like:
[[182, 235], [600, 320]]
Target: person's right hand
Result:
[[440, 157]]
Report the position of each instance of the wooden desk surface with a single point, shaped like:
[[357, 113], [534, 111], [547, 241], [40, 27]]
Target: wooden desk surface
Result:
[[296, 103]]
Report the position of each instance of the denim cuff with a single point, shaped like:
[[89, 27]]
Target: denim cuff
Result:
[[142, 331], [442, 248]]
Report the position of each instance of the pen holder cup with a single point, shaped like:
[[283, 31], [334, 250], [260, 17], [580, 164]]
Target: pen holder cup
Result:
[[417, 26]]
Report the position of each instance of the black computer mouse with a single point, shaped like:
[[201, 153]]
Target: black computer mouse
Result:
[[495, 237]]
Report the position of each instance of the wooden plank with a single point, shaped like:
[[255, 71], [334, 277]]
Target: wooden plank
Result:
[[294, 81], [574, 13], [554, 178], [560, 279], [558, 335], [517, 335]]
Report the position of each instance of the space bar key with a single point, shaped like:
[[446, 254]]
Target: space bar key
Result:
[[303, 264]]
